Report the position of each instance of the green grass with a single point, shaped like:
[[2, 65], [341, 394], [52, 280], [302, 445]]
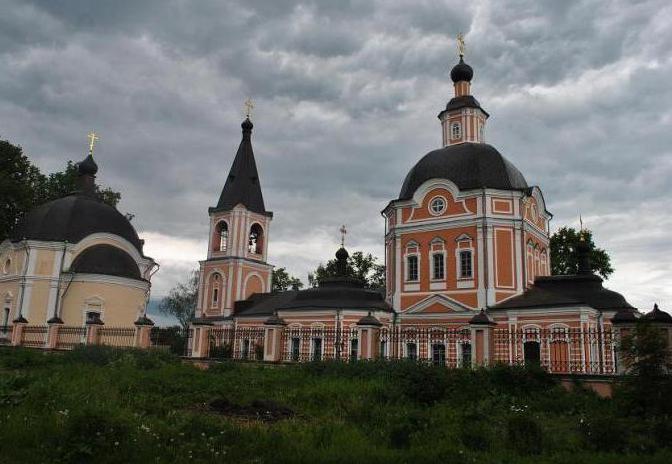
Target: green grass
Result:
[[96, 405]]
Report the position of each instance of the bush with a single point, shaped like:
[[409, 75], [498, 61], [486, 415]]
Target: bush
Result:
[[103, 355], [524, 435]]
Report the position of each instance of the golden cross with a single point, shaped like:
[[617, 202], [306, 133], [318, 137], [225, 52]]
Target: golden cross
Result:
[[460, 44], [343, 231], [93, 138], [249, 106]]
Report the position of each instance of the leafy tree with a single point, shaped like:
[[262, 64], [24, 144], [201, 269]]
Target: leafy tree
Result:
[[563, 253], [181, 300], [23, 186], [282, 281], [360, 266]]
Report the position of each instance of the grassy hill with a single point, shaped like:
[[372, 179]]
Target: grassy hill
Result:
[[96, 405]]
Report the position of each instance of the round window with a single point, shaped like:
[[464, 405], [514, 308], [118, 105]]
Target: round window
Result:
[[437, 206]]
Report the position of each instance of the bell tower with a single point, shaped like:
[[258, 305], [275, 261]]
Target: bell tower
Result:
[[463, 120], [236, 266]]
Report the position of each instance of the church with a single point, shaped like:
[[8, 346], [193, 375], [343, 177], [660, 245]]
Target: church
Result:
[[74, 261], [466, 256]]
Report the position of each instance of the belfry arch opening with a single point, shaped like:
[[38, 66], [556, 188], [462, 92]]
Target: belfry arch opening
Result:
[[221, 241], [255, 243]]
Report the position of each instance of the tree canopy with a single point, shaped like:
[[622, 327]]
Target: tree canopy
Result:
[[564, 260], [181, 300], [360, 266], [23, 186], [283, 281]]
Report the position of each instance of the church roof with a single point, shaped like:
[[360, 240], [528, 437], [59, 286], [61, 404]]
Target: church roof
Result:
[[242, 185], [468, 165], [76, 216], [106, 260], [567, 290]]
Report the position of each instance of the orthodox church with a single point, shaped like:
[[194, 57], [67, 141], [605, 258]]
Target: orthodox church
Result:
[[75, 260], [466, 243]]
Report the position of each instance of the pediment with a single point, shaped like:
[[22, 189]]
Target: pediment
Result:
[[437, 304]]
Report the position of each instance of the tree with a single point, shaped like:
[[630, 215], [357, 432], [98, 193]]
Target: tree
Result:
[[360, 266], [563, 253], [181, 300], [23, 186], [282, 281]]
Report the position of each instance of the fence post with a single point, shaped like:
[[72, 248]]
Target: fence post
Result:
[[273, 329], [143, 328], [54, 324], [623, 323], [18, 325], [482, 339], [92, 327], [201, 339], [369, 336]]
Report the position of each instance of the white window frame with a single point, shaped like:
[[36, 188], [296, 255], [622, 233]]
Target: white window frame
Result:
[[408, 255], [458, 256], [455, 130], [430, 207]]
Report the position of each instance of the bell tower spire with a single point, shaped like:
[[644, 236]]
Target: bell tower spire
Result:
[[236, 266], [463, 120]]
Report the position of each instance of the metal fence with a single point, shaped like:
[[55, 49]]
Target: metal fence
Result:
[[450, 347], [123, 337], [236, 343], [173, 339], [300, 344], [558, 350], [34, 336], [70, 336]]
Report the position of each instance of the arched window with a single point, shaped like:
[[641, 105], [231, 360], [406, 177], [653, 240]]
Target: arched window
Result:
[[215, 294], [222, 237], [466, 264], [455, 130], [256, 242], [438, 259]]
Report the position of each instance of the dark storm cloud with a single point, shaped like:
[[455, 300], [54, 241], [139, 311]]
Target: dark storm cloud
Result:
[[347, 95]]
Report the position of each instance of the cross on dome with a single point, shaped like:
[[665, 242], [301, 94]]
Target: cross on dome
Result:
[[343, 231], [93, 138]]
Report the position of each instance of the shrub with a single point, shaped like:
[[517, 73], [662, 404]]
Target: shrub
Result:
[[524, 435]]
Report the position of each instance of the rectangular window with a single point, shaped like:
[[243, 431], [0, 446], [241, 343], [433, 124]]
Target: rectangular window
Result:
[[215, 296], [465, 264], [246, 349], [439, 354], [354, 348], [412, 351], [466, 354], [412, 262], [317, 349], [296, 348], [439, 272], [383, 349]]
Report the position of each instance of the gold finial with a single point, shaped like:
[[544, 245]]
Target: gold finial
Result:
[[249, 106], [460, 44], [582, 231], [93, 138], [343, 231]]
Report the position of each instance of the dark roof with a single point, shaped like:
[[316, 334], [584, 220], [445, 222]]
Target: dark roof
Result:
[[106, 260], [461, 72], [555, 291], [656, 315], [481, 318], [468, 165], [73, 218], [369, 319], [624, 316], [242, 185], [463, 101]]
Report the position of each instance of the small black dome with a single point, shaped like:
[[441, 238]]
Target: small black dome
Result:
[[461, 72], [247, 125], [342, 253], [87, 167], [468, 165], [656, 315], [107, 260], [73, 218]]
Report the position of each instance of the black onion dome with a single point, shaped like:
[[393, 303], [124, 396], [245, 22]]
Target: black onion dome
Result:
[[87, 167], [107, 260], [461, 72], [247, 125], [656, 315], [73, 218], [342, 254], [468, 165]]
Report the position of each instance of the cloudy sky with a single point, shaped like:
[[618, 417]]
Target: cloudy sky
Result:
[[346, 97]]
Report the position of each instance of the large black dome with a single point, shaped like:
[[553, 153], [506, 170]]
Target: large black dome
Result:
[[106, 259], [73, 218], [467, 165]]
